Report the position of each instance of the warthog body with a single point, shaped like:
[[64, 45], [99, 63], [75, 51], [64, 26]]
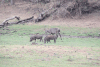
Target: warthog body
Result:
[[36, 37], [53, 31], [50, 37]]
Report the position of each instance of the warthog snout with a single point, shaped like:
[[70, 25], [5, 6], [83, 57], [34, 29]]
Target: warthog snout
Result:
[[30, 40]]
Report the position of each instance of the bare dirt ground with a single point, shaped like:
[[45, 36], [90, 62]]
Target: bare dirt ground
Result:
[[52, 49], [83, 54], [26, 10]]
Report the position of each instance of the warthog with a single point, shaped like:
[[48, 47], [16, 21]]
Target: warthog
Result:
[[37, 36], [50, 37], [53, 31]]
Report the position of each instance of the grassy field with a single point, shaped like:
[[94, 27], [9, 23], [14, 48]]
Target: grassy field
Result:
[[16, 50]]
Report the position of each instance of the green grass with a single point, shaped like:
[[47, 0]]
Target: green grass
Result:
[[20, 34], [15, 37], [24, 40], [80, 31]]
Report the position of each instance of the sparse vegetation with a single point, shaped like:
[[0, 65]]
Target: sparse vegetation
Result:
[[48, 56]]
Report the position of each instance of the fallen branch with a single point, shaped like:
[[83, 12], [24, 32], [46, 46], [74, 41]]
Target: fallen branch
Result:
[[44, 14], [25, 20], [6, 23], [18, 18]]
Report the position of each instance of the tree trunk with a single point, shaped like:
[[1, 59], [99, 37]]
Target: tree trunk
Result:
[[2, 2], [12, 2], [32, 0], [80, 5]]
